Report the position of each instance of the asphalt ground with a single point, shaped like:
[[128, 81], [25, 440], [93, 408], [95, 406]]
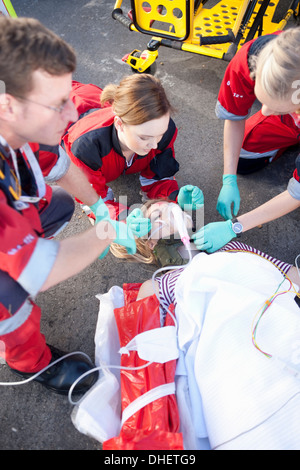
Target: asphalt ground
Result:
[[32, 418]]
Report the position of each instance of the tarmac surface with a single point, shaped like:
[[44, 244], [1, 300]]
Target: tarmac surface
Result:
[[32, 418]]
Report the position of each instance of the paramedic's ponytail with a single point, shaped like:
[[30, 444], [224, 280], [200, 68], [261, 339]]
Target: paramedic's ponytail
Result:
[[278, 65], [108, 94], [137, 99]]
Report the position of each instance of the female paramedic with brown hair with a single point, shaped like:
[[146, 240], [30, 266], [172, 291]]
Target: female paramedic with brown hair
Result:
[[126, 129], [268, 69]]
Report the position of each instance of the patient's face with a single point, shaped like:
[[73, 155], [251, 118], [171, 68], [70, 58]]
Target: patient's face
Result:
[[162, 221]]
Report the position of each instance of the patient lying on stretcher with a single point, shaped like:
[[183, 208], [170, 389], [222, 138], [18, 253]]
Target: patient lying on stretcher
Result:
[[243, 382], [236, 382]]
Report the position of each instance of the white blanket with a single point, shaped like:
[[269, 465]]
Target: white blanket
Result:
[[230, 396], [239, 398]]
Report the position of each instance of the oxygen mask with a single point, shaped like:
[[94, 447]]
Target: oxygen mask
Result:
[[159, 228], [169, 233]]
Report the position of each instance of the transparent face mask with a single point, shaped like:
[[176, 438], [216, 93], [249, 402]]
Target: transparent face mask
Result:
[[170, 220], [161, 224]]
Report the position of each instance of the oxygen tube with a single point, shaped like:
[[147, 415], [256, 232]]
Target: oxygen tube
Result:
[[176, 215], [177, 218]]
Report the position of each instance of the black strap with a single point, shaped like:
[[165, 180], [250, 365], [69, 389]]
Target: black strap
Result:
[[258, 21]]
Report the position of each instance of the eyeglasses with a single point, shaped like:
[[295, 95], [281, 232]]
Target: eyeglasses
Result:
[[59, 110]]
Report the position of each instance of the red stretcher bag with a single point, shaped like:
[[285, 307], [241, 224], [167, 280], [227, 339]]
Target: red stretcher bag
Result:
[[156, 425]]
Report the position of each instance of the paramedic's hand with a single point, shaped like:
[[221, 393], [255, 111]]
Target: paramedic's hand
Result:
[[100, 210], [229, 194], [213, 236], [190, 197], [123, 236], [138, 224]]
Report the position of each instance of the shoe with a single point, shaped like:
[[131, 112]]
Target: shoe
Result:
[[60, 377]]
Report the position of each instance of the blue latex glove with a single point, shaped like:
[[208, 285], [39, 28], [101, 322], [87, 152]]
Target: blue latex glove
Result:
[[229, 194], [100, 210], [124, 235], [190, 197], [213, 236], [138, 224]]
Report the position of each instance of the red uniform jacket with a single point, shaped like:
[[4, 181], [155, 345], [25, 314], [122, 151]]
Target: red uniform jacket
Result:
[[26, 257], [236, 97], [22, 255]]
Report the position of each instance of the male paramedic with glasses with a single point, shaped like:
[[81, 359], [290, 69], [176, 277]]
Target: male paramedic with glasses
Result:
[[36, 74]]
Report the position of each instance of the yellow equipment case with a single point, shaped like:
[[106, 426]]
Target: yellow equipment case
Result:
[[215, 28]]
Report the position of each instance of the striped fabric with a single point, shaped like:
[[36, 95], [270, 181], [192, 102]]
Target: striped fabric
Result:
[[236, 246], [167, 282]]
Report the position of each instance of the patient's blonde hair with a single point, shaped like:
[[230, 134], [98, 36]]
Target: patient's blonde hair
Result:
[[144, 254], [137, 99], [277, 66]]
